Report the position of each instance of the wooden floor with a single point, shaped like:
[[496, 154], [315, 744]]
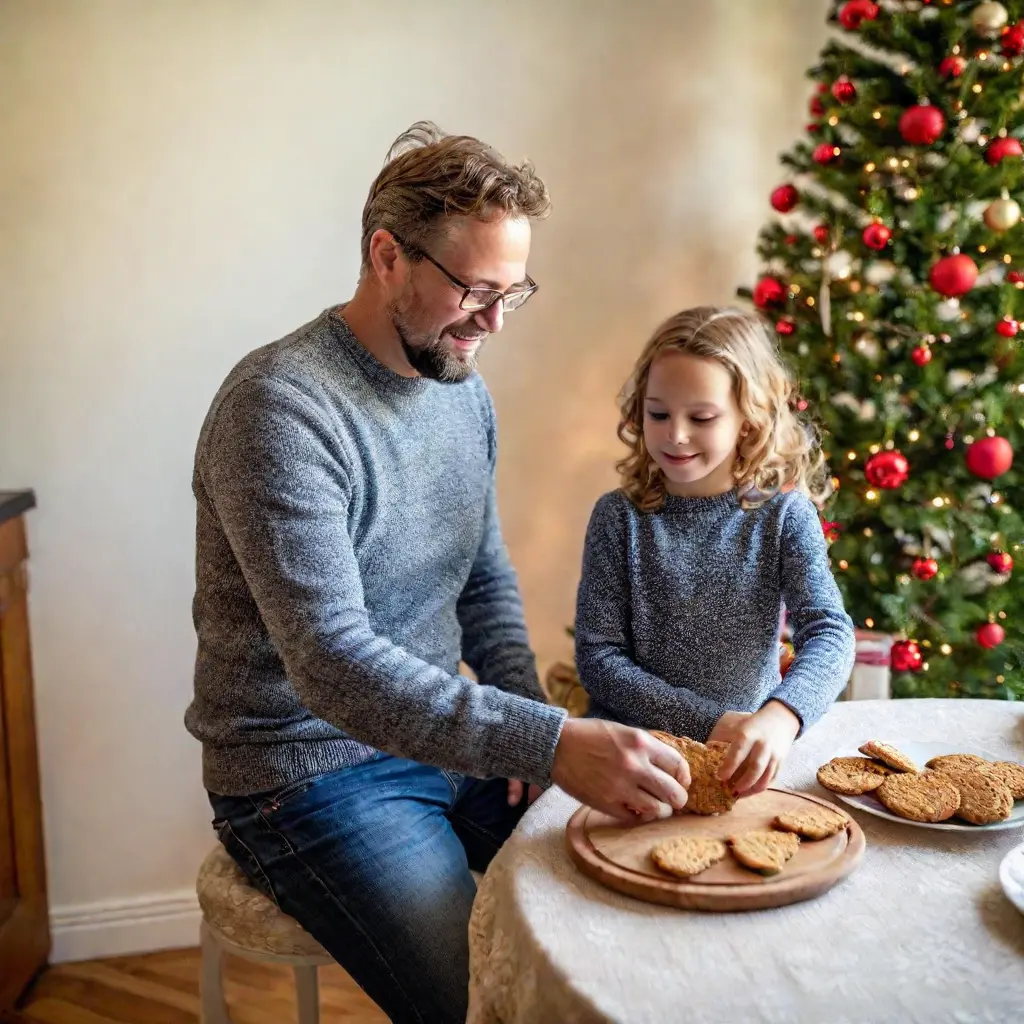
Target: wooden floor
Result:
[[163, 988]]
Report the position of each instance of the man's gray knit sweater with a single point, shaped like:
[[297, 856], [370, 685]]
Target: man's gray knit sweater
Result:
[[348, 556], [678, 612]]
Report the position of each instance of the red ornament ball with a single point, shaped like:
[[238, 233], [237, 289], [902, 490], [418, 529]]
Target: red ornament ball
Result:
[[922, 355], [1001, 562], [1015, 277], [954, 275], [952, 66], [905, 656], [826, 153], [989, 457], [1012, 40], [922, 125], [856, 11], [990, 635], [876, 236], [924, 568], [785, 327], [816, 107], [769, 291], [831, 529], [844, 90], [784, 198], [1007, 327], [887, 470], [1003, 148], [821, 235]]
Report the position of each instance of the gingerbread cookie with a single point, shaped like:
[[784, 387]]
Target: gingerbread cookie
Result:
[[852, 776], [955, 761], [688, 855], [763, 850], [816, 823], [707, 795], [888, 755], [1010, 774], [983, 797], [928, 797]]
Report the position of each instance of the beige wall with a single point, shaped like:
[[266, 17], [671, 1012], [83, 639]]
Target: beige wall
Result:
[[180, 182]]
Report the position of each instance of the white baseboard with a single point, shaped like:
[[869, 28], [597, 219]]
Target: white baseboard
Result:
[[145, 924]]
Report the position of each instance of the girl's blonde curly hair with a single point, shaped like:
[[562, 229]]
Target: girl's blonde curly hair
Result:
[[780, 452]]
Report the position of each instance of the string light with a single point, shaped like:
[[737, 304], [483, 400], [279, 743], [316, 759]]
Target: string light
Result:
[[871, 495], [1006, 65], [844, 564], [1002, 615], [937, 502], [914, 435], [833, 120], [893, 162], [852, 456], [795, 289], [982, 248], [983, 55], [1000, 679], [995, 499], [867, 531], [905, 163], [869, 167], [1008, 259], [876, 114], [870, 623], [946, 649], [911, 194], [809, 300], [976, 87], [875, 449]]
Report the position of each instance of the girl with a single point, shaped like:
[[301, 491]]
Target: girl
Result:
[[713, 529]]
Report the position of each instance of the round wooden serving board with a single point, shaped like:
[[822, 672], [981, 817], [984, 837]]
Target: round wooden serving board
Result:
[[618, 856]]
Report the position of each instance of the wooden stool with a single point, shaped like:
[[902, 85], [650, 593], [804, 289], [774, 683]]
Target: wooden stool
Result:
[[240, 920]]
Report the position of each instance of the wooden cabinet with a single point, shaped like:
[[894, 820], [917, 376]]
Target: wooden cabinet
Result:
[[24, 917]]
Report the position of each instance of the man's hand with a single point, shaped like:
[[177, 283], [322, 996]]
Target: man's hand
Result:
[[624, 772], [515, 793], [758, 746]]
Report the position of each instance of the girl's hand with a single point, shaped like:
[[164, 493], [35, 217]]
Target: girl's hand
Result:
[[758, 748], [726, 729]]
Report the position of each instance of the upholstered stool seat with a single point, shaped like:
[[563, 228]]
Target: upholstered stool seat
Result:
[[238, 919]]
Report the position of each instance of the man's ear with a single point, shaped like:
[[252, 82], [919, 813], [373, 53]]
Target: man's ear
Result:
[[384, 253]]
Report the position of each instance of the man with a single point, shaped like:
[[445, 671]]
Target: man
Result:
[[348, 558]]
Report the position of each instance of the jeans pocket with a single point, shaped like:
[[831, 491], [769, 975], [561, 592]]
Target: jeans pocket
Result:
[[276, 800], [243, 857]]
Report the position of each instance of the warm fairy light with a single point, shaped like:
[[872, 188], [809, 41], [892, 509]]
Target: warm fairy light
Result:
[[875, 449], [1006, 65], [876, 114], [868, 532], [795, 289], [871, 495], [905, 163], [893, 162], [1020, 389], [833, 120], [911, 194], [844, 564], [837, 358], [1000, 679], [982, 248], [937, 502], [983, 55], [835, 483], [1008, 259], [858, 316], [809, 300], [946, 649], [956, 49], [924, 667], [976, 87], [870, 623], [855, 287], [869, 167], [852, 456], [991, 432], [914, 435], [947, 501], [1002, 615], [995, 499]]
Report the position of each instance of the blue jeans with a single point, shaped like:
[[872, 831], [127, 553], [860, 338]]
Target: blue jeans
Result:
[[373, 861]]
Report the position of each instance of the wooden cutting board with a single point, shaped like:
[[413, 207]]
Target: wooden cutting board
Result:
[[618, 856]]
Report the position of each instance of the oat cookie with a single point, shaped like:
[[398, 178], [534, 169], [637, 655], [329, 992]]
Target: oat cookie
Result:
[[931, 796], [686, 856], [983, 797], [888, 755], [955, 761], [707, 795], [814, 823], [763, 850], [852, 776], [1010, 774]]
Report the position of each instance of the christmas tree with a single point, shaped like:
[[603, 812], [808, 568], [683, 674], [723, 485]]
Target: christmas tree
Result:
[[894, 279]]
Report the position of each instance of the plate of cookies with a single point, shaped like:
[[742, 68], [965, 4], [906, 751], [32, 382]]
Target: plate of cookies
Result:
[[721, 853], [930, 785]]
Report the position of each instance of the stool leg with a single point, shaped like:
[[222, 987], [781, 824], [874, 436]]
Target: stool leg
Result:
[[307, 990], [213, 1009]]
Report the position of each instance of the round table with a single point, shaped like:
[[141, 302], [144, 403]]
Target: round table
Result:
[[920, 932]]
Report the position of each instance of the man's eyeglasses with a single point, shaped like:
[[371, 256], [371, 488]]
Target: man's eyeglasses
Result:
[[477, 299]]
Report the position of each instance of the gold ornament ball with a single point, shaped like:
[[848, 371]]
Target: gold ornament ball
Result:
[[1002, 214], [988, 19]]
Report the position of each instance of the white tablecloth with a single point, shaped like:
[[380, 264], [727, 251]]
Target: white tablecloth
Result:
[[921, 932]]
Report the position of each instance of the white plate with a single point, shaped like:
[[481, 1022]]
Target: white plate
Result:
[[919, 753], [1011, 876]]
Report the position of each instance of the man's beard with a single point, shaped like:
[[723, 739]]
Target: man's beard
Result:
[[431, 357]]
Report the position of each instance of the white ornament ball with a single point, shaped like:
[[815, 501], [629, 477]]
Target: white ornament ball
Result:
[[1002, 214], [988, 19]]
